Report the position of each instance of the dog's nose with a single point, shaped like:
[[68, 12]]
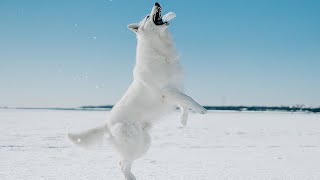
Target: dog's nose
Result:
[[157, 4]]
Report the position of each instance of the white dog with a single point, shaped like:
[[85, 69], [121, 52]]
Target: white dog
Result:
[[156, 88]]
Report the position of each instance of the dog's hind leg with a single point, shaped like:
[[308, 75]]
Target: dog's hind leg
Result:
[[125, 167], [178, 97]]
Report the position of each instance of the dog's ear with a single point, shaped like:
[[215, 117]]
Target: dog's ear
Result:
[[134, 27]]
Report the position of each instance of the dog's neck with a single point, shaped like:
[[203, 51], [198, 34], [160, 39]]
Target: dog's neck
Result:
[[157, 47]]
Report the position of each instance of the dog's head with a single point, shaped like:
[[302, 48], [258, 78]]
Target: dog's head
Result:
[[151, 24]]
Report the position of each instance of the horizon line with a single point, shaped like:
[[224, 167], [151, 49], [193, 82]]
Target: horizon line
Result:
[[299, 108]]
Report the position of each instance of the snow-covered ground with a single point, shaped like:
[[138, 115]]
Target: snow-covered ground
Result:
[[215, 146]]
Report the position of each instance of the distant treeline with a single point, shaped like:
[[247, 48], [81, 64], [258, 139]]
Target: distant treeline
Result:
[[264, 108], [218, 108], [98, 107], [239, 108]]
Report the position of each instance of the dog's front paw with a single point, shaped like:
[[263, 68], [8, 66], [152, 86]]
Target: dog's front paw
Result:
[[200, 109], [184, 116], [184, 121], [203, 110]]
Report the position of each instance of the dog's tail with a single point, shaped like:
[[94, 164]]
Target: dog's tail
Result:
[[89, 137]]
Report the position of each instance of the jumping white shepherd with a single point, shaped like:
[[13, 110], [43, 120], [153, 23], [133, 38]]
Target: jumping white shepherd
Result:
[[156, 88]]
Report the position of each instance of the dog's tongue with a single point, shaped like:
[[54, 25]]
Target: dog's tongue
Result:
[[169, 16]]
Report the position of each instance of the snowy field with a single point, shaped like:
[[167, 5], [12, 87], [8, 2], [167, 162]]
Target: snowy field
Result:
[[215, 146]]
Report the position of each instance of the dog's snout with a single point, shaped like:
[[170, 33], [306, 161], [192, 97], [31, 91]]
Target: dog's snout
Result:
[[157, 4]]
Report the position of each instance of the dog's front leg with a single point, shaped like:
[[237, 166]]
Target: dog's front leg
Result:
[[184, 114], [183, 100]]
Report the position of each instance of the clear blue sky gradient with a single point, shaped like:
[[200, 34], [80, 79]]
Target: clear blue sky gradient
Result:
[[72, 53]]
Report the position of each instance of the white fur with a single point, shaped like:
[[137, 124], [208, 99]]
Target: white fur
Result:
[[156, 88]]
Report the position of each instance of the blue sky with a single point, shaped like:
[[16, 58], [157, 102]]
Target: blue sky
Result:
[[72, 53]]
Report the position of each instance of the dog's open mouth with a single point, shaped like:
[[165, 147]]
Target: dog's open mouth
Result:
[[157, 18]]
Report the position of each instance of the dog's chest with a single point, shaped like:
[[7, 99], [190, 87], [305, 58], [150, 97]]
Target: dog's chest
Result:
[[159, 71]]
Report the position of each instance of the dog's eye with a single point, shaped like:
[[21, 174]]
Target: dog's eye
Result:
[[147, 17]]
